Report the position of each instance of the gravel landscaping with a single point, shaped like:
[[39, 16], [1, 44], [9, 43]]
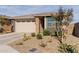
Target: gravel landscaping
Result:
[[33, 44], [27, 45]]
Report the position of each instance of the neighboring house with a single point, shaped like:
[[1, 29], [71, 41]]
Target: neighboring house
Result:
[[76, 29], [5, 24]]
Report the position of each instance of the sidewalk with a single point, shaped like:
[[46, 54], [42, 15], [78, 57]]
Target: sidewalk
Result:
[[7, 49]]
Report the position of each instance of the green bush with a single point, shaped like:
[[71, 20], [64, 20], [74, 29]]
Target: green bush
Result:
[[64, 48], [46, 33], [33, 34], [39, 36]]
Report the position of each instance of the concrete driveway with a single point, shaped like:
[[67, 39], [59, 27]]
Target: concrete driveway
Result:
[[7, 38]]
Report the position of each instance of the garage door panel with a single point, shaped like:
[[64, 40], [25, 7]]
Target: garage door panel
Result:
[[28, 27]]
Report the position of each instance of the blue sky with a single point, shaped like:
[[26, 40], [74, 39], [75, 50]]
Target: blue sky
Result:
[[18, 10]]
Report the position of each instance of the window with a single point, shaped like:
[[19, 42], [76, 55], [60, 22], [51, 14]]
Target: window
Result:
[[50, 22]]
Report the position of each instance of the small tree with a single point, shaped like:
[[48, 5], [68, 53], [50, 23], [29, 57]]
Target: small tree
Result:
[[63, 19], [1, 23]]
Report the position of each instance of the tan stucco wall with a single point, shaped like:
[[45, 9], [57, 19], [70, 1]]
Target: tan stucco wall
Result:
[[70, 28]]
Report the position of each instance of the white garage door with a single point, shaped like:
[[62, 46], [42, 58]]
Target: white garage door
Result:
[[28, 27]]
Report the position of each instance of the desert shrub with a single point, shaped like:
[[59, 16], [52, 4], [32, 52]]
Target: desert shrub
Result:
[[19, 43], [25, 37], [64, 48], [46, 33], [43, 45], [39, 36], [28, 37], [50, 41], [33, 34], [53, 33]]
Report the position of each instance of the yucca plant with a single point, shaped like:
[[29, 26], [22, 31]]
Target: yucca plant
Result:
[[65, 48]]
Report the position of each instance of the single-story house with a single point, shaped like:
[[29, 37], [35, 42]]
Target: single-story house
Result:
[[34, 22], [31, 23]]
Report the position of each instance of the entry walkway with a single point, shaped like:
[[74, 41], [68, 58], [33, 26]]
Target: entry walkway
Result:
[[7, 38]]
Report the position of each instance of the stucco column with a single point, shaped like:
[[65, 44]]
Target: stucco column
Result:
[[37, 21], [14, 25], [41, 23]]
